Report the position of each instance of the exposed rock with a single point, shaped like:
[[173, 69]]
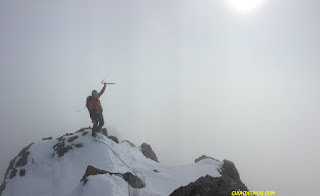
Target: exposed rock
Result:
[[81, 130], [47, 138], [208, 186], [61, 149], [204, 157], [84, 133], [11, 166], [130, 143], [91, 171], [148, 152], [22, 172], [155, 171], [113, 138], [72, 138], [219, 186], [2, 187], [61, 138], [13, 173], [22, 158], [229, 170], [68, 134], [79, 145], [104, 131], [133, 181]]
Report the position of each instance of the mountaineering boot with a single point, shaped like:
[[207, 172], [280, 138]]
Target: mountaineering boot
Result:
[[99, 130], [93, 134]]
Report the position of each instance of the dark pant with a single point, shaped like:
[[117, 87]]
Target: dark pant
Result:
[[98, 122]]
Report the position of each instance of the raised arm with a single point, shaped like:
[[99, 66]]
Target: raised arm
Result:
[[102, 90]]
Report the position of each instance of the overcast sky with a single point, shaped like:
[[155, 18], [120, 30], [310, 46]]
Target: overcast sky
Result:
[[192, 78]]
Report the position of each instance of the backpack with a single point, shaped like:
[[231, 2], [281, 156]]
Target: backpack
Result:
[[90, 98], [87, 102]]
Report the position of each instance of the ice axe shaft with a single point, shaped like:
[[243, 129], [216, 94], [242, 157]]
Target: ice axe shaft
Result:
[[102, 82]]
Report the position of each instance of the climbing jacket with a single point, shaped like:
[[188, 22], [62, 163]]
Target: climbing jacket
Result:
[[93, 104]]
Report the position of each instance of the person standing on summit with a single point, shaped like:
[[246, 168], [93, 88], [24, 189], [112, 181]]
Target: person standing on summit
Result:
[[95, 109]]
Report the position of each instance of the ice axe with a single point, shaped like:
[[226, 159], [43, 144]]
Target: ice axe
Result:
[[102, 82]]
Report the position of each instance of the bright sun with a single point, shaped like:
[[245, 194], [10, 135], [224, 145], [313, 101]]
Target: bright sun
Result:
[[245, 5]]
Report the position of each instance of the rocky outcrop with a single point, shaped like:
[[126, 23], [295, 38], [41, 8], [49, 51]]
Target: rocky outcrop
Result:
[[16, 164], [204, 157], [148, 152], [60, 148], [230, 171], [63, 137], [218, 186], [79, 145], [71, 139], [22, 172], [82, 129], [133, 180], [207, 186], [91, 171]]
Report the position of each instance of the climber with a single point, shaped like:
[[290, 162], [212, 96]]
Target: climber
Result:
[[95, 110]]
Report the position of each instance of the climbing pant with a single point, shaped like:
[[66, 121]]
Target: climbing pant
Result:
[[98, 122]]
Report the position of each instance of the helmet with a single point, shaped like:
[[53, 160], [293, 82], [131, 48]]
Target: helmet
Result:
[[94, 92]]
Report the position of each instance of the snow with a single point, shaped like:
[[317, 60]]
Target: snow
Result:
[[48, 175]]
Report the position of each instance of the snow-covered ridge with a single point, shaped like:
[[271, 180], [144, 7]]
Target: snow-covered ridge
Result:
[[55, 168]]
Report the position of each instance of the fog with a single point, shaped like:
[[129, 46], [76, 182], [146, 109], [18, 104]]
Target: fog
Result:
[[192, 78]]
